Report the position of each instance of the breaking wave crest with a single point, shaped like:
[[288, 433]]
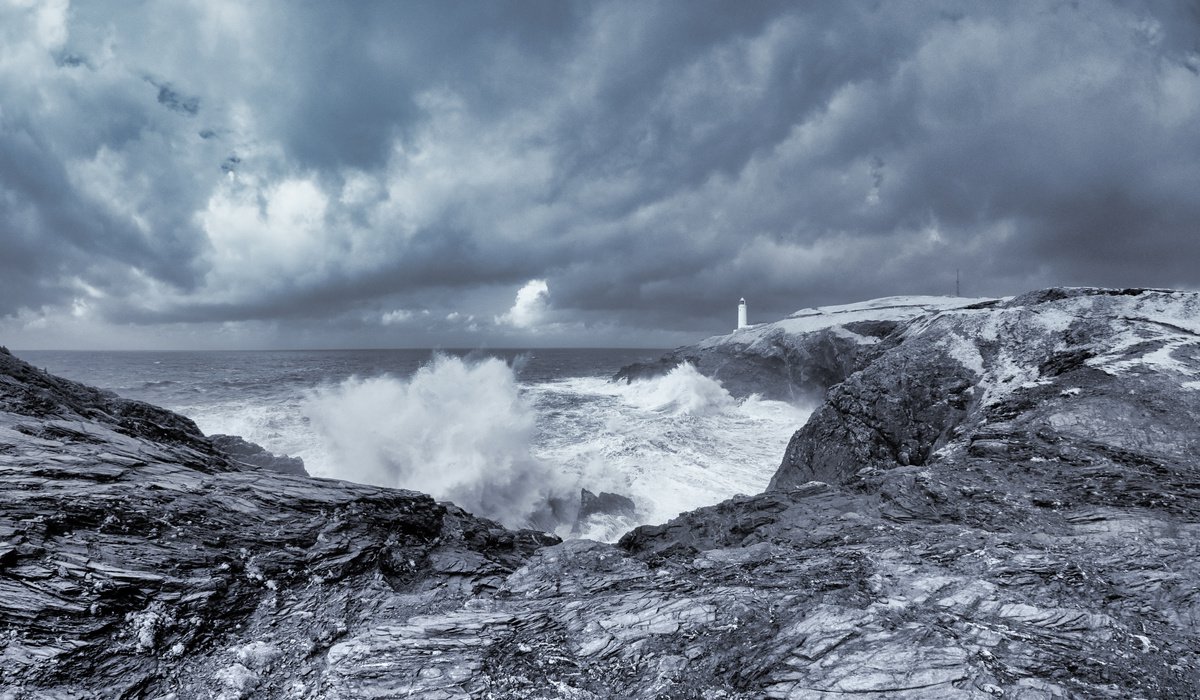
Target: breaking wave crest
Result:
[[457, 429], [683, 390], [671, 443]]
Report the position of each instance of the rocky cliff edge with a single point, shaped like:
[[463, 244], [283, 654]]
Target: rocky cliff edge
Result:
[[798, 357]]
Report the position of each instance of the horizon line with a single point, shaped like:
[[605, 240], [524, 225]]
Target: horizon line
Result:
[[476, 348]]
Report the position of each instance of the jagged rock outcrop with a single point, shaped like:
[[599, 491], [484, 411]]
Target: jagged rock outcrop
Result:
[[250, 454], [602, 504], [998, 501]]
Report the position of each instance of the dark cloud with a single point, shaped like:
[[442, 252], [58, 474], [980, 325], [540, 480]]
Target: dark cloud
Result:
[[171, 99], [363, 64], [652, 162]]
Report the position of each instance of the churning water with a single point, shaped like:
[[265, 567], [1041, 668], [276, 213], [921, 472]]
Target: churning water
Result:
[[496, 432]]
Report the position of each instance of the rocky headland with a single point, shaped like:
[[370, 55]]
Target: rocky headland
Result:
[[994, 498], [798, 357]]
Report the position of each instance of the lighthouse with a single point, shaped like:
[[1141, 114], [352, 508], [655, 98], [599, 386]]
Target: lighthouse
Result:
[[742, 314]]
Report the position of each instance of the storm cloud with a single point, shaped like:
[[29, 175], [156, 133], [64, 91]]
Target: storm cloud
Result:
[[353, 174]]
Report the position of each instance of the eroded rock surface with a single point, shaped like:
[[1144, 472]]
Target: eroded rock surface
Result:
[[998, 501]]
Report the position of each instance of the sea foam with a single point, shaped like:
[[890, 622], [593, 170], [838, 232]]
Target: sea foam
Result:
[[468, 431], [672, 443], [457, 429]]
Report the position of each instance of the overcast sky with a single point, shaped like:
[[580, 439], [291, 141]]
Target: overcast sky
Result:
[[325, 174]]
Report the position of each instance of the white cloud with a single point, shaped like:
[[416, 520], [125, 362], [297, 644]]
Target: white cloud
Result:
[[395, 316], [264, 236], [531, 306], [49, 19]]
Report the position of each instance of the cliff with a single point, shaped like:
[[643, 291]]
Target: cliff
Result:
[[996, 499]]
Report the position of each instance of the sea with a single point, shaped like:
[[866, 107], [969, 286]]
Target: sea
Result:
[[498, 432]]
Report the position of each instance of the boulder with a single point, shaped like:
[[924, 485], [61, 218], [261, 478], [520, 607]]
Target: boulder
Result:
[[249, 453]]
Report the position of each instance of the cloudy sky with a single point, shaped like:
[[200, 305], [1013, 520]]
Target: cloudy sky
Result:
[[216, 173]]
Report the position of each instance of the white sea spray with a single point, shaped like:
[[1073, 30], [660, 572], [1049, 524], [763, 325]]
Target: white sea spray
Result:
[[469, 431], [457, 429]]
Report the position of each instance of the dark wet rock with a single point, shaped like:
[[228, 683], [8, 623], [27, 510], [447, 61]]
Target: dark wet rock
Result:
[[653, 368], [561, 512], [254, 455], [897, 411], [604, 504], [1006, 504], [69, 414], [604, 511]]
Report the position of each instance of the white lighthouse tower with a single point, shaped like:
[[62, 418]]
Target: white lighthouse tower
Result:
[[742, 314]]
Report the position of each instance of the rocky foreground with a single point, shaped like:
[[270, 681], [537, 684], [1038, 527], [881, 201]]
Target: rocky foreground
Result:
[[998, 498]]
